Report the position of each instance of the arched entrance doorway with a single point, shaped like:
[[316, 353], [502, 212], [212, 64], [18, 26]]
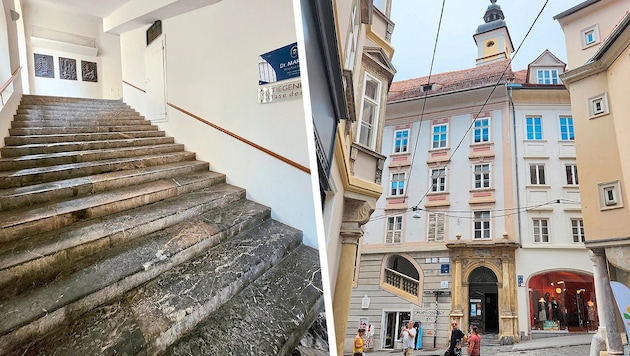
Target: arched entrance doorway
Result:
[[562, 300], [483, 299]]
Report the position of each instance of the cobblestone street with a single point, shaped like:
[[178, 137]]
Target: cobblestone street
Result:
[[577, 350]]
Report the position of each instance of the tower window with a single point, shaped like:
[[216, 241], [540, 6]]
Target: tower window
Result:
[[490, 44]]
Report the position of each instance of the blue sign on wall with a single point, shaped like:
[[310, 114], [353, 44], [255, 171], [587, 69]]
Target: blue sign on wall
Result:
[[280, 64], [520, 280], [445, 268]]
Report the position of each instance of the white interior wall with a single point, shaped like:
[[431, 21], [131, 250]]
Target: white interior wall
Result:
[[9, 61], [109, 84], [212, 71]]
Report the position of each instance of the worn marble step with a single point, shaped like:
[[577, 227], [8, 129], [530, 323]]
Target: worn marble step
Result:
[[41, 258], [17, 223], [101, 115], [80, 148], [73, 110], [47, 99], [63, 158], [288, 298], [80, 130], [30, 176], [187, 245], [84, 137], [46, 192], [138, 121]]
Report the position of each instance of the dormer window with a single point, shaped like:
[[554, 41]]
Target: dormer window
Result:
[[548, 76], [427, 87]]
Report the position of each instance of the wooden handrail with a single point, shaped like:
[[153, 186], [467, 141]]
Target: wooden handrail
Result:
[[133, 86], [9, 81], [244, 140]]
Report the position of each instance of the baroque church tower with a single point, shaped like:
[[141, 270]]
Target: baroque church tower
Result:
[[493, 38]]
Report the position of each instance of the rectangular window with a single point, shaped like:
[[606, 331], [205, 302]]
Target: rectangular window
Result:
[[401, 141], [566, 129], [482, 175], [437, 227], [548, 76], [438, 180], [534, 128], [589, 37], [440, 135], [541, 230], [537, 174], [398, 184], [577, 230], [353, 37], [572, 174], [394, 229], [482, 130], [481, 223], [370, 111]]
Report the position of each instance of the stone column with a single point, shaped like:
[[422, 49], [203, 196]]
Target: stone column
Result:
[[605, 306], [356, 213], [456, 289]]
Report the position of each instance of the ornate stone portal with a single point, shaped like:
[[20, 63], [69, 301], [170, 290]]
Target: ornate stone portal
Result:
[[485, 267]]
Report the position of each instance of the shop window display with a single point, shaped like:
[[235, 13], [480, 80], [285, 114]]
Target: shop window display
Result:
[[562, 301]]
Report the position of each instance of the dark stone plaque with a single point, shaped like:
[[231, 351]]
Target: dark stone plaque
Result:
[[67, 68], [89, 71], [44, 66], [154, 31]]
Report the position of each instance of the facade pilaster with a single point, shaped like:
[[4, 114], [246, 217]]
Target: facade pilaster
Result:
[[605, 307]]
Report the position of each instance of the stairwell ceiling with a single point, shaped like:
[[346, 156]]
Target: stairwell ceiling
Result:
[[98, 8]]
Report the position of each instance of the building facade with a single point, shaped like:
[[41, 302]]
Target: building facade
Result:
[[348, 79], [462, 223], [597, 38]]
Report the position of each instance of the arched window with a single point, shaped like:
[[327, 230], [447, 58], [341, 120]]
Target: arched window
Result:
[[402, 276]]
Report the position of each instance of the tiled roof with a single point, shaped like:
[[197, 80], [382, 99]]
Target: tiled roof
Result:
[[480, 76], [520, 76]]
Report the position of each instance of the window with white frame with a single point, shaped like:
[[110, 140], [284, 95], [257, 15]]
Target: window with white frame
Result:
[[370, 111], [481, 174], [610, 196], [401, 141], [590, 36], [577, 230], [394, 229], [533, 125], [537, 174], [548, 76], [566, 128], [481, 225], [598, 105], [571, 171], [440, 136], [397, 184], [353, 37], [438, 179], [436, 226], [482, 130], [541, 230]]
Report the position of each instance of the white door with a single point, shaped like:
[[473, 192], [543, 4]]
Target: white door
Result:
[[155, 80]]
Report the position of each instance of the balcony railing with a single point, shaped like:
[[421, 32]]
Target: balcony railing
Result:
[[401, 281]]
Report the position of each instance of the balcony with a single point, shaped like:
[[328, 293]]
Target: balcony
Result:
[[401, 282]]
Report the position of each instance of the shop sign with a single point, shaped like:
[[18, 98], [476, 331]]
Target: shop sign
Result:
[[280, 64]]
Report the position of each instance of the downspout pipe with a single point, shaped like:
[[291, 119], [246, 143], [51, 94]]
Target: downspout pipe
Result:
[[510, 87]]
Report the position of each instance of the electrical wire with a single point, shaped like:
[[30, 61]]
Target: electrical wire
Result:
[[487, 99], [426, 93]]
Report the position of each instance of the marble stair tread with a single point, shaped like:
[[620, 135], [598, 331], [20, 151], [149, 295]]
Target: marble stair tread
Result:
[[22, 112], [30, 176], [80, 148], [81, 130], [79, 123], [189, 243], [31, 220], [42, 139], [288, 298], [46, 192], [41, 256]]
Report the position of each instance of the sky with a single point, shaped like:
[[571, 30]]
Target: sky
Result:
[[416, 25]]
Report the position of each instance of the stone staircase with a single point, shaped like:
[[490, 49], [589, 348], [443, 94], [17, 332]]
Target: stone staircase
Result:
[[114, 240]]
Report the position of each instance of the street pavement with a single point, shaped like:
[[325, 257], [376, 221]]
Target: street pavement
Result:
[[572, 345]]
